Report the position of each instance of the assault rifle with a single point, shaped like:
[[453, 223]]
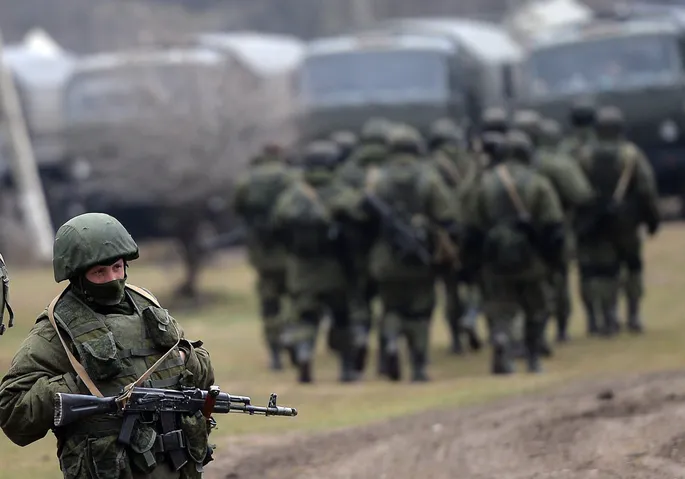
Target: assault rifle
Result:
[[149, 404], [403, 236]]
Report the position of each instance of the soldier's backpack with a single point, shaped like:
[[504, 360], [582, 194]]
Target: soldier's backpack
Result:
[[264, 185], [612, 181], [400, 186], [509, 245]]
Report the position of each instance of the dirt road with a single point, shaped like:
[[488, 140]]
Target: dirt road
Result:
[[627, 428]]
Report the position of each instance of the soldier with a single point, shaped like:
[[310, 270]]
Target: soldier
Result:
[[371, 151], [609, 236], [574, 191], [550, 135], [457, 170], [347, 142], [255, 196], [582, 118], [369, 155], [418, 200], [116, 330], [307, 219], [4, 298], [515, 227]]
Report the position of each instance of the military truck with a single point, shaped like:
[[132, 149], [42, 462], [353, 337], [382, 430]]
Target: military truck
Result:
[[412, 70], [634, 60]]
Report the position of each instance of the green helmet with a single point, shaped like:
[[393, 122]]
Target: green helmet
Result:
[[610, 122], [445, 130], [550, 132], [519, 146], [87, 240], [404, 138], [375, 130], [529, 122], [346, 141], [321, 154], [494, 119], [583, 113]]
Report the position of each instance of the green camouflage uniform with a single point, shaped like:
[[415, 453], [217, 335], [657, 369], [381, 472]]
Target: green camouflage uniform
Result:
[[609, 231], [418, 198], [515, 226], [356, 173], [255, 196], [116, 333], [308, 218], [574, 191], [457, 169], [347, 142]]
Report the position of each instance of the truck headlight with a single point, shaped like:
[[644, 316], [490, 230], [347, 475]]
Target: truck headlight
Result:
[[668, 130]]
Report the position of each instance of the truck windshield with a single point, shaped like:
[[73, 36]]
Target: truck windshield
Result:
[[392, 76], [128, 92], [606, 64]]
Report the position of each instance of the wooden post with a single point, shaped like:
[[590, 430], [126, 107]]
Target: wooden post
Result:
[[24, 168]]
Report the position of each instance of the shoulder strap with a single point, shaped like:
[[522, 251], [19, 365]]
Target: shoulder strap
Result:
[[448, 167], [144, 293], [625, 178], [504, 175], [78, 368]]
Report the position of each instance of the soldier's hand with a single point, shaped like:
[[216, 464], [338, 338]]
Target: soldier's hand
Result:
[[183, 355]]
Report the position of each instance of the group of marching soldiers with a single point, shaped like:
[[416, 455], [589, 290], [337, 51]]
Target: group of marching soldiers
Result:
[[360, 228]]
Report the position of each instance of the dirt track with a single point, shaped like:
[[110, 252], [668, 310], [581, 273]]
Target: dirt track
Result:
[[630, 428]]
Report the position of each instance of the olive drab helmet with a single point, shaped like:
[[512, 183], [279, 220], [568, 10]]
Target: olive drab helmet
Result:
[[529, 122], [346, 141], [444, 131], [550, 132], [321, 154], [583, 113], [406, 139], [494, 119], [4, 301], [610, 122], [375, 130], [519, 146], [87, 240]]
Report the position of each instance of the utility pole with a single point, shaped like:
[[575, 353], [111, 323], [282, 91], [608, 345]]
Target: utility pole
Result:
[[363, 13], [23, 164]]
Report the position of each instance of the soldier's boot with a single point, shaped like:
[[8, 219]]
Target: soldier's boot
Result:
[[610, 325], [360, 341], [391, 357], [456, 347], [275, 355], [502, 363], [534, 332], [518, 349], [304, 353], [468, 325], [634, 319], [545, 348], [418, 366], [348, 373], [562, 327], [591, 318], [382, 362]]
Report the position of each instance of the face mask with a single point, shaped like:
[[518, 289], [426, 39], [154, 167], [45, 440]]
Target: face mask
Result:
[[105, 294]]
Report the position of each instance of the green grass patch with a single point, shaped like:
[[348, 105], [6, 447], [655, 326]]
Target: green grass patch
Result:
[[231, 331]]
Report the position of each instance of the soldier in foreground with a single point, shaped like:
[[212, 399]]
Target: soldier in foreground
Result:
[[515, 227], [408, 197], [117, 331], [609, 231], [254, 200]]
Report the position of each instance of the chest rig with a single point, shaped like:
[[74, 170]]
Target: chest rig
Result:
[[115, 351]]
